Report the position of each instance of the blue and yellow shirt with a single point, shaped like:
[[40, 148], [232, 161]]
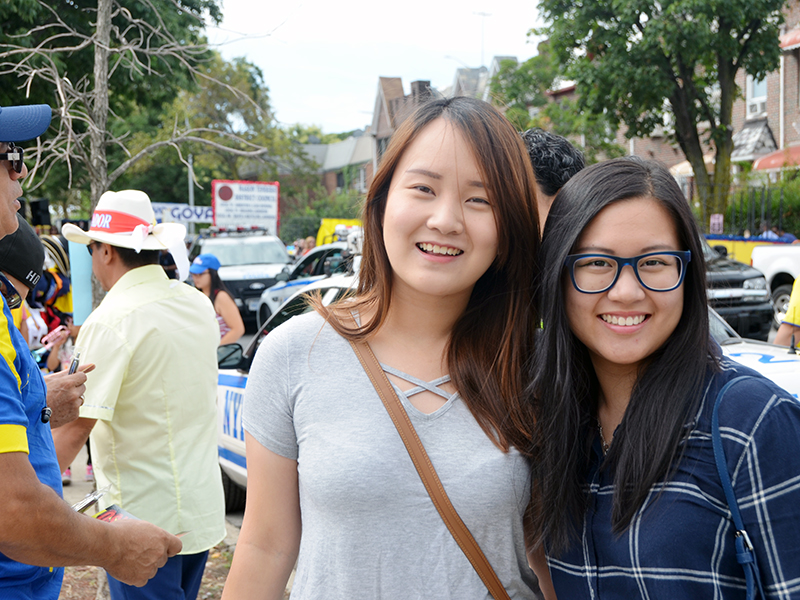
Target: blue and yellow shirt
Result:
[[22, 398]]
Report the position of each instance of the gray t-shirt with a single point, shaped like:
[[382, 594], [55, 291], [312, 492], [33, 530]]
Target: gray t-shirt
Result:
[[370, 529]]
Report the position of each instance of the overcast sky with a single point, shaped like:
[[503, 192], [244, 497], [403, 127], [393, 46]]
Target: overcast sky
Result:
[[322, 59]]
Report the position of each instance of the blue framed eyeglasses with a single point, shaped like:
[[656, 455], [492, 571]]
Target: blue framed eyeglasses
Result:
[[10, 293], [14, 154], [656, 271]]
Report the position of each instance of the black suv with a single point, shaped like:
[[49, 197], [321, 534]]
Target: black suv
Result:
[[738, 292]]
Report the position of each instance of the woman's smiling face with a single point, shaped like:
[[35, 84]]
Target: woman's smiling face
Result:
[[439, 228], [601, 321]]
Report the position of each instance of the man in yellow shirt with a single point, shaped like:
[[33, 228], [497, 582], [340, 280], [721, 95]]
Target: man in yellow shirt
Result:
[[151, 403], [791, 322]]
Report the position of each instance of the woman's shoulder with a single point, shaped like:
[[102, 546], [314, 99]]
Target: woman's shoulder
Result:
[[304, 329], [749, 401]]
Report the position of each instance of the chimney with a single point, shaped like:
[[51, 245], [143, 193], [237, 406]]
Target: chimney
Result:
[[420, 91]]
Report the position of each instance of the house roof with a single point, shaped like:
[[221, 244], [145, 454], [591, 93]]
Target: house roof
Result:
[[388, 102], [785, 157], [317, 153], [362, 153], [333, 157], [470, 82], [754, 140]]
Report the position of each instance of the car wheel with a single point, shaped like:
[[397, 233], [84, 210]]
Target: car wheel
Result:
[[780, 300], [234, 495], [263, 315]]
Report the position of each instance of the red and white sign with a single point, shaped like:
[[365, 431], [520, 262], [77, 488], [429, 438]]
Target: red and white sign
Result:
[[246, 203]]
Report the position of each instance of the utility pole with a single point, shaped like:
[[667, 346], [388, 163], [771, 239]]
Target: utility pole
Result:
[[483, 16], [191, 183], [191, 191]]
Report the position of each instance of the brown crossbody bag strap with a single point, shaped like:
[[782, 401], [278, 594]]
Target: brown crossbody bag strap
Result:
[[426, 471]]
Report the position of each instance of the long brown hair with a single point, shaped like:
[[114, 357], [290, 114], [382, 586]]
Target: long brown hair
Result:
[[492, 340]]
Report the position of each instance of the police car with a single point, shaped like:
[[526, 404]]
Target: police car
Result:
[[319, 263], [774, 362], [250, 260]]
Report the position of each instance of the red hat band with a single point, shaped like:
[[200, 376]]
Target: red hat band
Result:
[[112, 221]]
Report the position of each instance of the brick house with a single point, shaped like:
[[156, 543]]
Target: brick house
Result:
[[344, 165], [766, 120]]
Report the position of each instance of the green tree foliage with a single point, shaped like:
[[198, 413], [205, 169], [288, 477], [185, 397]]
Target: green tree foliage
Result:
[[305, 221], [312, 134], [230, 102], [522, 87], [518, 87], [670, 63], [111, 70]]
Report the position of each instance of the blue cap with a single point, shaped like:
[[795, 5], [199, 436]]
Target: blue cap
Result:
[[203, 263], [21, 123]]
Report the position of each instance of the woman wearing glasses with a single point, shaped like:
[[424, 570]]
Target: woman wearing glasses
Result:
[[627, 500]]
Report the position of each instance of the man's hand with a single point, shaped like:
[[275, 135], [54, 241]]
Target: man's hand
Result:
[[65, 395], [141, 549]]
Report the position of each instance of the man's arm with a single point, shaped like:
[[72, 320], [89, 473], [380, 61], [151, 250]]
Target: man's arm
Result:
[[784, 335], [39, 528], [70, 438]]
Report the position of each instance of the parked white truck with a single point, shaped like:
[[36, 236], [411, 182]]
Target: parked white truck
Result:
[[780, 264]]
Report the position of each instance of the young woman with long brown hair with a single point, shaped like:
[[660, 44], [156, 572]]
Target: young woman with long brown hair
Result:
[[444, 300]]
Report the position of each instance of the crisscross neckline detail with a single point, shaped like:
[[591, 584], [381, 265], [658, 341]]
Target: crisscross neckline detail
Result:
[[420, 385]]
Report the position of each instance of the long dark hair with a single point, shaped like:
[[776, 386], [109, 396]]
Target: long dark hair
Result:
[[565, 388], [493, 338], [217, 286]]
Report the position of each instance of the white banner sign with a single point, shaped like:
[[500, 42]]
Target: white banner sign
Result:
[[245, 204], [169, 212], [716, 223]]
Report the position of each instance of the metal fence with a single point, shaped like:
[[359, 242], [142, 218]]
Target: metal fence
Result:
[[747, 209]]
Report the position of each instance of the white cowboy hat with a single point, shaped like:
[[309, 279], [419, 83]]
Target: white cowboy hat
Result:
[[126, 219]]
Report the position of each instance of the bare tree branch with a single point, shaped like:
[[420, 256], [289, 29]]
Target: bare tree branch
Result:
[[121, 42]]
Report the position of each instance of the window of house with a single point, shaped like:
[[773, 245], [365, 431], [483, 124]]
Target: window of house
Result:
[[383, 143], [756, 97], [362, 179]]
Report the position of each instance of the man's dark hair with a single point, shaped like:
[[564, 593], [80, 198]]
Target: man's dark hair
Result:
[[554, 159], [133, 260]]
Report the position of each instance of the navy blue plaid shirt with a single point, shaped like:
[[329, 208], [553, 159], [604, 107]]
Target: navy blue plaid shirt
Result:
[[680, 543]]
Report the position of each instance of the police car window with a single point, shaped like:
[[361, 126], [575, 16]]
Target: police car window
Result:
[[246, 251], [308, 267], [720, 330], [297, 306], [334, 263]]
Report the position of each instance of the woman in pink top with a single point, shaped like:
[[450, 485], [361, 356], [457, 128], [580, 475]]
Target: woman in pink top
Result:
[[206, 279]]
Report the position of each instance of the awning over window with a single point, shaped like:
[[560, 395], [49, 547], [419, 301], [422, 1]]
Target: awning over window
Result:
[[785, 157], [684, 169], [790, 40]]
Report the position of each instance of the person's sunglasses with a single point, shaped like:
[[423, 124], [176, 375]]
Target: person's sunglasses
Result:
[[14, 155], [90, 247], [10, 293]]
